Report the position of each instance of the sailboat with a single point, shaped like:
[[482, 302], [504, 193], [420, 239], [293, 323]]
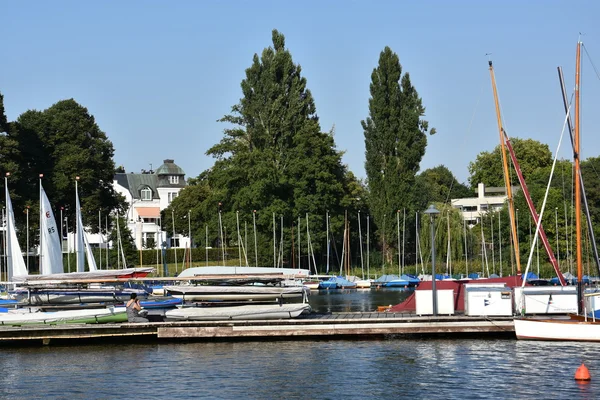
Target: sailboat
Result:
[[15, 262], [51, 261], [577, 328], [53, 285]]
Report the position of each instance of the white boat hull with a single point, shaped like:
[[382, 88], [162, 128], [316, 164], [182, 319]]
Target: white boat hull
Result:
[[70, 296], [363, 284], [251, 312], [312, 285], [235, 293], [61, 317], [565, 330]]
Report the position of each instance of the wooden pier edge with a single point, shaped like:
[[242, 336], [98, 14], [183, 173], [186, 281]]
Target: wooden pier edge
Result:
[[342, 326]]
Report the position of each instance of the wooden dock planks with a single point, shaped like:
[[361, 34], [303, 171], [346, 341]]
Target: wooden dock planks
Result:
[[335, 326]]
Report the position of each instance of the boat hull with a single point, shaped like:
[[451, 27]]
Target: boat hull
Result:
[[95, 316], [235, 293], [42, 297], [247, 312], [563, 330]]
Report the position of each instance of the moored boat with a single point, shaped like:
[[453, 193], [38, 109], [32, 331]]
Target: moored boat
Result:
[[557, 329], [363, 284], [245, 312], [84, 316], [235, 293], [46, 296]]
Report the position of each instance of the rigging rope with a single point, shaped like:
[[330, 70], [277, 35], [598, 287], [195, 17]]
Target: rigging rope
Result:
[[537, 227], [591, 62]]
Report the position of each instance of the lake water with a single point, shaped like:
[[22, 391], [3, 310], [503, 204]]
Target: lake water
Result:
[[374, 369]]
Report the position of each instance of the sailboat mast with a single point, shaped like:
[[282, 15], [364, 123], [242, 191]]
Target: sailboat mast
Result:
[[40, 215], [583, 195], [577, 171], [7, 238], [511, 206]]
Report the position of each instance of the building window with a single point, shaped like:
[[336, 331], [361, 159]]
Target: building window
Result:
[[146, 194], [173, 179], [171, 196]]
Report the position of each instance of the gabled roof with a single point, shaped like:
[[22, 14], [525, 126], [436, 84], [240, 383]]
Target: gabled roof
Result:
[[136, 182]]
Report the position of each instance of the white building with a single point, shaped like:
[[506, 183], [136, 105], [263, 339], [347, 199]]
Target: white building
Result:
[[148, 194], [488, 198]]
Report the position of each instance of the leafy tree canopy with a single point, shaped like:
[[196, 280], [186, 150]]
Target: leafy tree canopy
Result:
[[487, 167], [63, 142], [439, 185]]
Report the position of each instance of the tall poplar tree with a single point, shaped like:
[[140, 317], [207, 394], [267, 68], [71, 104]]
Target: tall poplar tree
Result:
[[274, 158], [395, 141]]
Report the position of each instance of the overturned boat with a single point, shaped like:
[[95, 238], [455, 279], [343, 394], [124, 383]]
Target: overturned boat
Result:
[[83, 316], [245, 312], [236, 293]]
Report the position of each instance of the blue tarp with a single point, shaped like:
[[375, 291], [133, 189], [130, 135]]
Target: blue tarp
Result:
[[387, 278], [570, 280], [531, 276]]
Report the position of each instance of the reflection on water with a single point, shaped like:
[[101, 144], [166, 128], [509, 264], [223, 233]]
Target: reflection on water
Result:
[[396, 368], [355, 300], [374, 369]]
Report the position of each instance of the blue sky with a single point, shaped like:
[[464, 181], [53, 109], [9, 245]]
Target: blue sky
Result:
[[158, 74]]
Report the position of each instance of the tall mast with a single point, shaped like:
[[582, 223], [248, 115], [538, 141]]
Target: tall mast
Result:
[[511, 206], [577, 172], [583, 195]]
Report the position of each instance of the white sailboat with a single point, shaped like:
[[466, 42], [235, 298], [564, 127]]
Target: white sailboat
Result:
[[51, 270], [15, 261], [82, 245], [51, 254]]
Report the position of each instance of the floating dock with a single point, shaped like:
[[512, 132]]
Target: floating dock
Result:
[[346, 326]]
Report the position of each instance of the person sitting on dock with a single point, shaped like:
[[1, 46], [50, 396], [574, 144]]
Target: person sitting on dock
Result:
[[133, 310]]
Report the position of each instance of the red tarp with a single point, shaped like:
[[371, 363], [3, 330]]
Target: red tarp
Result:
[[459, 291]]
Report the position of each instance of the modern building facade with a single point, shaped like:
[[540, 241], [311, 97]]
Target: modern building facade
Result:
[[488, 199]]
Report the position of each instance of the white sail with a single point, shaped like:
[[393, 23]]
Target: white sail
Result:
[[16, 264], [52, 262], [88, 252], [79, 233]]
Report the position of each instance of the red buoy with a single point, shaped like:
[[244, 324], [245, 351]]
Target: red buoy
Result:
[[582, 374]]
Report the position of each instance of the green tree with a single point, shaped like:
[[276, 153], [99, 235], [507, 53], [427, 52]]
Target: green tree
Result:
[[63, 142], [9, 151], [274, 159], [439, 185], [487, 167], [3, 120], [395, 141]]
